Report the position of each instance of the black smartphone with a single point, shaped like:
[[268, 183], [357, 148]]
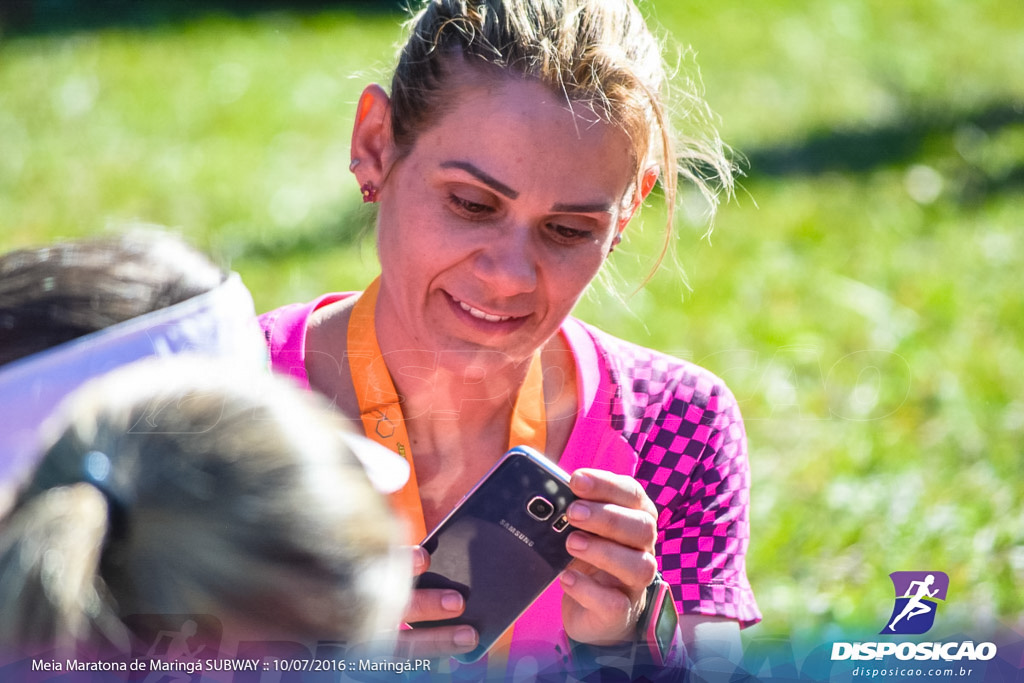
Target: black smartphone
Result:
[[502, 545]]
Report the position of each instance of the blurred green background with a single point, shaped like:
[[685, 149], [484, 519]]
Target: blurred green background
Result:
[[858, 294]]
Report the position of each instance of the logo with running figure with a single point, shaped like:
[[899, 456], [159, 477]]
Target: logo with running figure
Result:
[[917, 596]]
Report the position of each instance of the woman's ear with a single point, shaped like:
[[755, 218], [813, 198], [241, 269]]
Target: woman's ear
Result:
[[647, 182], [372, 145]]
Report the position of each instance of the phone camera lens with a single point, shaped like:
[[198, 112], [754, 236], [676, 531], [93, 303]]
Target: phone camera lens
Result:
[[540, 508]]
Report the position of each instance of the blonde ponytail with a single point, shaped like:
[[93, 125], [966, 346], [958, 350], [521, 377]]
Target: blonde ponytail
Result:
[[50, 549]]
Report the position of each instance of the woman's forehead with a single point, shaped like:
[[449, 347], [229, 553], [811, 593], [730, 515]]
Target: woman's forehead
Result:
[[527, 137], [466, 83], [494, 108]]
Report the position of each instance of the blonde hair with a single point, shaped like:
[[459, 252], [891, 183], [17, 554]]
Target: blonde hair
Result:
[[600, 52], [180, 487]]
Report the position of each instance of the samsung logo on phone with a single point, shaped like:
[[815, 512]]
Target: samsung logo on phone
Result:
[[516, 532]]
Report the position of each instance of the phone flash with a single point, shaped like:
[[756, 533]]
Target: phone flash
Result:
[[561, 523]]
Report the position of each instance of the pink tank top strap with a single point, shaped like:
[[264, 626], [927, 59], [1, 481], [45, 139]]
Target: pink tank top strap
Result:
[[285, 332]]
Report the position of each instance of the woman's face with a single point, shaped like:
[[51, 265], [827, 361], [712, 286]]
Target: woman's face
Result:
[[497, 220]]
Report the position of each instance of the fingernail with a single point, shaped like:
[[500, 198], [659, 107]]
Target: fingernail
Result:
[[582, 482], [568, 578], [452, 602], [579, 511], [464, 636], [576, 542], [418, 561]]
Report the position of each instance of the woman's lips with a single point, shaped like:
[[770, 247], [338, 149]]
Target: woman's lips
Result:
[[477, 313], [484, 315]]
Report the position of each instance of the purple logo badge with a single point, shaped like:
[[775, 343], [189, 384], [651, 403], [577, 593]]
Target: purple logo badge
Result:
[[917, 596]]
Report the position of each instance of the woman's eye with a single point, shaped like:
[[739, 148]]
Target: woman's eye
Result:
[[567, 234], [468, 207]]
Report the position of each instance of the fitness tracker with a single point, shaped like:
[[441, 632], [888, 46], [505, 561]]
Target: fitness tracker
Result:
[[658, 626], [656, 653]]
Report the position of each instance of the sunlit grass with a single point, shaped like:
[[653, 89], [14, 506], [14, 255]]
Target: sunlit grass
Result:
[[867, 317], [231, 130]]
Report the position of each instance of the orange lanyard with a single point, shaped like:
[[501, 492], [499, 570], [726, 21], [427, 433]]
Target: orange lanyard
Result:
[[381, 412]]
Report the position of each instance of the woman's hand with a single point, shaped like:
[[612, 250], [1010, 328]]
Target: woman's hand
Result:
[[614, 549], [433, 604]]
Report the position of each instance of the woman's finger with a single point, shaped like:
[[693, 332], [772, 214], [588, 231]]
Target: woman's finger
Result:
[[633, 569], [420, 560], [631, 527], [434, 604], [608, 487], [436, 641], [603, 612]]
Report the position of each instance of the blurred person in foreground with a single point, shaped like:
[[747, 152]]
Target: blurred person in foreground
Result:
[[518, 140], [180, 486], [78, 308]]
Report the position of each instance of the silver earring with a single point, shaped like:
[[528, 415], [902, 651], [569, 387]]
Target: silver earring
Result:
[[352, 166]]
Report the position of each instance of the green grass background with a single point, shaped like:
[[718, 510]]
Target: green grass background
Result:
[[862, 294]]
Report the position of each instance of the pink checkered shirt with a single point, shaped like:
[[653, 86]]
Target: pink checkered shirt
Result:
[[672, 425]]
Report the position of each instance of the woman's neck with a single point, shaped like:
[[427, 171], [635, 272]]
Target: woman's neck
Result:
[[471, 394], [458, 419]]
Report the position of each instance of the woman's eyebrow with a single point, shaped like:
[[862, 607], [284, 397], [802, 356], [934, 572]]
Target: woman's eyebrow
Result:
[[502, 188], [486, 179], [596, 207]]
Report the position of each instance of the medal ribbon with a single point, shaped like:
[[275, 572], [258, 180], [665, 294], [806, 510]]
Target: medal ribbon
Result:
[[381, 414]]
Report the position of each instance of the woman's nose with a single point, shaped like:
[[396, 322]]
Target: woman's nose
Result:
[[508, 263]]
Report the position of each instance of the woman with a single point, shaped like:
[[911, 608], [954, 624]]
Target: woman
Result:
[[517, 142]]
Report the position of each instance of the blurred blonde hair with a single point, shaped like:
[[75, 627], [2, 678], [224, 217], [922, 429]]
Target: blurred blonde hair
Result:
[[181, 486]]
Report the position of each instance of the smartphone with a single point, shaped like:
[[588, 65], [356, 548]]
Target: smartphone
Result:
[[502, 545]]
